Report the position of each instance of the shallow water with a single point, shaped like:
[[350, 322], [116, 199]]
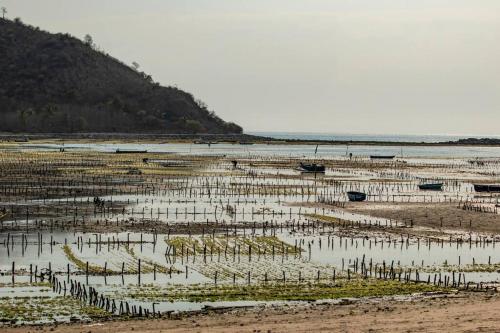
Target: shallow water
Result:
[[289, 150]]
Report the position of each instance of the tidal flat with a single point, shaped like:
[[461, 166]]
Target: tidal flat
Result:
[[88, 234]]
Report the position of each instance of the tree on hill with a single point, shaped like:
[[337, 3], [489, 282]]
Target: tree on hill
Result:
[[88, 40]]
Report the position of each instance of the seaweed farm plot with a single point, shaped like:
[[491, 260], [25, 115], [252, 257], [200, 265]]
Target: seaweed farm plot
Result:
[[88, 234], [37, 303], [138, 276]]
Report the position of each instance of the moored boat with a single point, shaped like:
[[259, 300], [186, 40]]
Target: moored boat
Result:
[[431, 186], [311, 167], [487, 188], [382, 157], [130, 151], [356, 196]]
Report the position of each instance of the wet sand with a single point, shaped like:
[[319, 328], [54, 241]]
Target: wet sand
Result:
[[436, 216], [462, 312]]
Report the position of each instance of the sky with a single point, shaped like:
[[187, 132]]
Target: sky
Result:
[[352, 66]]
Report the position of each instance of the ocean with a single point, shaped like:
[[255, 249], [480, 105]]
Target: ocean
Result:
[[368, 137]]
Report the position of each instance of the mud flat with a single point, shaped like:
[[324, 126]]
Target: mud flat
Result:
[[95, 238], [442, 217], [463, 312]]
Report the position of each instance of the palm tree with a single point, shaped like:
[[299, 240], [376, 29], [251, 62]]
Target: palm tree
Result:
[[4, 11]]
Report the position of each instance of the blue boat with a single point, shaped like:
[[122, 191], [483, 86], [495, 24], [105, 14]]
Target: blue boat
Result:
[[356, 196], [431, 186], [319, 168], [487, 188]]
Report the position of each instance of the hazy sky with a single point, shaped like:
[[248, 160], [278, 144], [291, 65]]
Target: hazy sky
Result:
[[360, 66]]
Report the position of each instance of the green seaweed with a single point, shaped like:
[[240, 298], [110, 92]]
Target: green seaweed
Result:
[[44, 309], [231, 245], [279, 291]]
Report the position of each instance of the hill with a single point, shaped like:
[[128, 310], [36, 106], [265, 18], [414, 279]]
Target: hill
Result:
[[55, 83], [477, 141]]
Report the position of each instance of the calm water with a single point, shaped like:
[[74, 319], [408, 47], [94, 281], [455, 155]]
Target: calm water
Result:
[[367, 137], [324, 151]]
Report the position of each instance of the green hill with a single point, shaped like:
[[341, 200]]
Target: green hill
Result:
[[53, 83]]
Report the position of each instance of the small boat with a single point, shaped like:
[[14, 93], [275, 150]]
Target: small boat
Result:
[[129, 151], [382, 157], [311, 167], [248, 143], [356, 196], [487, 187], [431, 186]]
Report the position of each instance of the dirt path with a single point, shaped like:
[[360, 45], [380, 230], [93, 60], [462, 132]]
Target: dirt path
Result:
[[457, 313]]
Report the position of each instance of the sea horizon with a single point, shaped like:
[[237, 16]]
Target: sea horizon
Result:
[[426, 138]]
